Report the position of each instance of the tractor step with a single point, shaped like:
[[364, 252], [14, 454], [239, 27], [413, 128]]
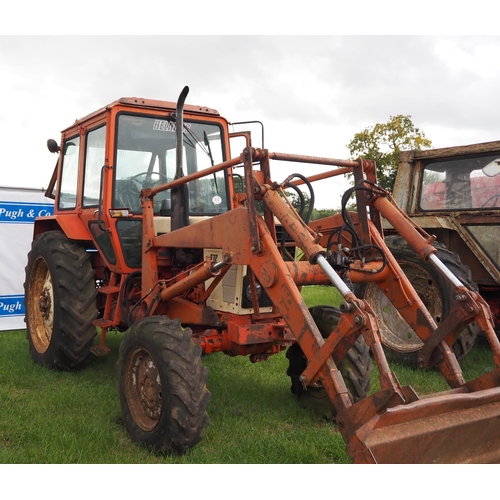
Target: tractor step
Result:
[[103, 323], [108, 289], [100, 350]]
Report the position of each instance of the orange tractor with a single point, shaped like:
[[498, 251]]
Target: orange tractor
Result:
[[159, 231]]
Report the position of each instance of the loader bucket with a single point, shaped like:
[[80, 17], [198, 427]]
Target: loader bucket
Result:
[[447, 428]]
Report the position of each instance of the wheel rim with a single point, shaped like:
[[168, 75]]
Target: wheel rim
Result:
[[143, 388], [41, 305], [396, 333]]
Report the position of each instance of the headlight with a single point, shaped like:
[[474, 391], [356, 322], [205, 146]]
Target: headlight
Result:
[[258, 291]]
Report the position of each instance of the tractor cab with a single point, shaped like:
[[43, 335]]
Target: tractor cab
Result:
[[110, 156]]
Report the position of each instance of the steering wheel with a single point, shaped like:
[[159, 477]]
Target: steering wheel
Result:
[[135, 183], [494, 199]]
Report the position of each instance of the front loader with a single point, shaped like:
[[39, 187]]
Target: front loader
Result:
[[160, 232]]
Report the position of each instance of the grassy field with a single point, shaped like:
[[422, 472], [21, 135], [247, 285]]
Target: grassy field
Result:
[[57, 417]]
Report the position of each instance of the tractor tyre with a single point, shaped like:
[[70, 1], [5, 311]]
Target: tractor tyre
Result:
[[60, 302], [355, 367], [400, 342], [162, 385]]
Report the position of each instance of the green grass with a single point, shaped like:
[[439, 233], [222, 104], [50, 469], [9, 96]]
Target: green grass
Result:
[[321, 295], [58, 417]]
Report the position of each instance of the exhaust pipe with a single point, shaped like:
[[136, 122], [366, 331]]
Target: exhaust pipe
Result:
[[179, 196]]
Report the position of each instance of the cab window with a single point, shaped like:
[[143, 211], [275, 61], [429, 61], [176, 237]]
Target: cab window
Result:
[[69, 174], [94, 161]]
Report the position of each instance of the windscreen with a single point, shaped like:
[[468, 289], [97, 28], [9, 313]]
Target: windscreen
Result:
[[146, 157]]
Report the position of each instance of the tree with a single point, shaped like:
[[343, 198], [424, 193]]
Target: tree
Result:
[[302, 206], [383, 142]]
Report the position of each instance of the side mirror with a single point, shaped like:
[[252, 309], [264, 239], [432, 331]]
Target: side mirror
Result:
[[53, 146]]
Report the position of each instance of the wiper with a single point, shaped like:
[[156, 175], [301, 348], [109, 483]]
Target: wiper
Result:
[[209, 149], [193, 140]]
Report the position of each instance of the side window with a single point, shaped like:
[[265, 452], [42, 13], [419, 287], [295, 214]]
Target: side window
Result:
[[433, 195], [94, 160], [69, 177]]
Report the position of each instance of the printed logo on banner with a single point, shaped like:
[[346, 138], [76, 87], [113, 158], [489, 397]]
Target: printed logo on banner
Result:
[[11, 305], [23, 213]]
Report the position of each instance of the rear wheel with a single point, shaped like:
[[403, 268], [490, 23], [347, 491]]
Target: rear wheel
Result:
[[60, 302], [400, 342], [162, 385], [355, 367]]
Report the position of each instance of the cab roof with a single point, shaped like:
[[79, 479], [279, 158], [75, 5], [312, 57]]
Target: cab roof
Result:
[[142, 103]]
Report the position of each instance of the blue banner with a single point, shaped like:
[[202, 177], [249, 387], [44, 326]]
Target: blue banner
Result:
[[23, 212], [11, 305]]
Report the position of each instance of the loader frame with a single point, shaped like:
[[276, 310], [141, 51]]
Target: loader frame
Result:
[[259, 252]]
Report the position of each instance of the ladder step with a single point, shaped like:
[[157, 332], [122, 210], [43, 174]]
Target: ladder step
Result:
[[100, 350], [103, 323], [108, 289]]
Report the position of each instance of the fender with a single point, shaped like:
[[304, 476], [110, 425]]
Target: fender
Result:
[[71, 226]]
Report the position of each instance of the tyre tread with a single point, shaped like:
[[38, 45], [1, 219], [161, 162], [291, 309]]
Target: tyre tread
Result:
[[355, 367], [74, 288], [182, 425]]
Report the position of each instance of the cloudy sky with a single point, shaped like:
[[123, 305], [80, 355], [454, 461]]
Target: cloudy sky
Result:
[[313, 93]]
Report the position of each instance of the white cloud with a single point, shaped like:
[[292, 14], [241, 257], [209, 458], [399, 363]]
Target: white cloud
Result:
[[311, 93]]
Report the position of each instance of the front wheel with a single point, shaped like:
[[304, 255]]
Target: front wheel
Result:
[[355, 367], [400, 342], [162, 385]]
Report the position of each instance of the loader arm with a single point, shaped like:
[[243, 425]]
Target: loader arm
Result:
[[392, 425]]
